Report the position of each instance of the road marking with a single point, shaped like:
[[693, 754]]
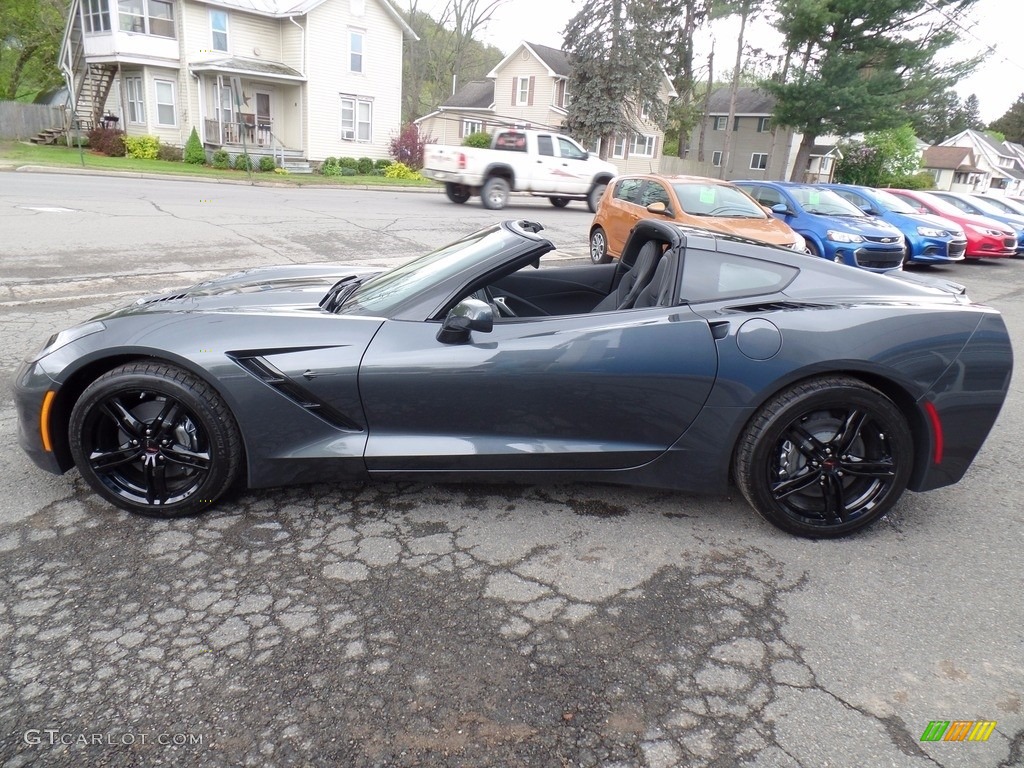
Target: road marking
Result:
[[46, 209]]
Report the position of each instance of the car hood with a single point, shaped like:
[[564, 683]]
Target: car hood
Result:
[[263, 289], [769, 230], [868, 226]]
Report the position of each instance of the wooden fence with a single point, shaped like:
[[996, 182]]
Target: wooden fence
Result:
[[23, 121]]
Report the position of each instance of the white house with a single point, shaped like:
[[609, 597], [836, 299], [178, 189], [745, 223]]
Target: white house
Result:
[[297, 78], [998, 166]]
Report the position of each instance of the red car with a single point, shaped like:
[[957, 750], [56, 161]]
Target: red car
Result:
[[986, 238]]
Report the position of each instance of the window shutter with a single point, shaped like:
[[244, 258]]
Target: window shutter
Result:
[[462, 129], [515, 89], [529, 100]]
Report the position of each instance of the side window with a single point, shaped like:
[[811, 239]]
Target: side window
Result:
[[628, 190], [544, 146], [767, 196], [654, 193], [569, 150], [849, 197], [717, 276]]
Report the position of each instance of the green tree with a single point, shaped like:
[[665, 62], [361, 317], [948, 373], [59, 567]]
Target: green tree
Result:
[[880, 159], [859, 63], [940, 115], [31, 32], [616, 51], [1011, 124]]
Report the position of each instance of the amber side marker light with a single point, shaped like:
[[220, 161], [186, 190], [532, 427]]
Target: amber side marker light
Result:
[[44, 420]]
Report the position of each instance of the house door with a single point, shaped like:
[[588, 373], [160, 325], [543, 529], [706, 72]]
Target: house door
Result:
[[263, 122]]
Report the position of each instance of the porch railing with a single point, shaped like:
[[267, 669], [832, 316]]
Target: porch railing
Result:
[[256, 134]]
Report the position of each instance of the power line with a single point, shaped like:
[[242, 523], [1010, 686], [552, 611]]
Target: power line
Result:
[[968, 31]]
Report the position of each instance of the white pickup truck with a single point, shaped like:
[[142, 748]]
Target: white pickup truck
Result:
[[539, 162]]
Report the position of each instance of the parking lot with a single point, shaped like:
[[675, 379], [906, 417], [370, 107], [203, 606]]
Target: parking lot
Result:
[[407, 624]]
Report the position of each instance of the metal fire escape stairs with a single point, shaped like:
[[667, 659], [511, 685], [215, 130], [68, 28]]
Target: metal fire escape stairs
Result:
[[88, 83]]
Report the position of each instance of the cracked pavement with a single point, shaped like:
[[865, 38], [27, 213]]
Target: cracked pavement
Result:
[[401, 624]]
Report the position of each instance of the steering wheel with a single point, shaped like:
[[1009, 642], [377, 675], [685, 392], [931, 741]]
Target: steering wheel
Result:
[[497, 303]]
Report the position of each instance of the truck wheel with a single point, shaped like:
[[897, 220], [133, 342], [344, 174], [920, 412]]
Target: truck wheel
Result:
[[559, 202], [457, 193], [595, 195], [494, 193]]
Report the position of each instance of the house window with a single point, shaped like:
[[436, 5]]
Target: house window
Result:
[[97, 16], [355, 51], [136, 104], [826, 163], [719, 123], [148, 17], [165, 102], [758, 161], [716, 158], [619, 147], [764, 125], [219, 30], [356, 119], [645, 112], [561, 94], [643, 145], [471, 126], [522, 91]]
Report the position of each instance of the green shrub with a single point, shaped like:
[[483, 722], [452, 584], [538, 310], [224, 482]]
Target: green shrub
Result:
[[382, 163], [377, 172], [221, 159], [330, 161], [267, 164], [349, 172], [329, 169], [281, 171], [364, 165], [922, 180], [348, 162], [480, 139], [401, 171], [170, 153], [243, 162], [142, 147], [194, 152]]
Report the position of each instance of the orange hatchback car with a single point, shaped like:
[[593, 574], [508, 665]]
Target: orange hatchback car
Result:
[[695, 200]]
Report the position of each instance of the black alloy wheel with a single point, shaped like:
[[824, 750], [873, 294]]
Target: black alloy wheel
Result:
[[559, 202], [825, 458], [155, 440], [457, 193]]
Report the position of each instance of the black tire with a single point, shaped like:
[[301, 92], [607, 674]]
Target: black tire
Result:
[[494, 193], [595, 195], [457, 193], [812, 249], [599, 246], [825, 458], [154, 440], [559, 202]]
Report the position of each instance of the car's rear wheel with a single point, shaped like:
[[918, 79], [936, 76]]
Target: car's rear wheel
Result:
[[824, 458], [155, 440], [599, 247], [595, 195], [457, 193], [559, 202], [494, 193]]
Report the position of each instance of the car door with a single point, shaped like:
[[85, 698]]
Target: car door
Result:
[[624, 205], [582, 392], [573, 173], [545, 168]]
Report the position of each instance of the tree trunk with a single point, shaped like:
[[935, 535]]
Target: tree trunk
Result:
[[727, 143], [19, 65], [803, 157], [707, 102]]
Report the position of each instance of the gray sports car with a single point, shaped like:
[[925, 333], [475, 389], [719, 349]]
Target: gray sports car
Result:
[[821, 390]]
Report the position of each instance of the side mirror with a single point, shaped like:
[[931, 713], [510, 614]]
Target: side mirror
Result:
[[660, 208], [468, 315], [868, 209], [586, 155], [780, 208]]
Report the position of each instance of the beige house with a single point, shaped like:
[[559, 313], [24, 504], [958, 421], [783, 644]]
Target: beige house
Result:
[[529, 89], [953, 168], [998, 167], [298, 79], [759, 150]]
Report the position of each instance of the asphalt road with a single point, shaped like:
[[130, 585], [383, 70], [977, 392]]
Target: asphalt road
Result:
[[408, 624]]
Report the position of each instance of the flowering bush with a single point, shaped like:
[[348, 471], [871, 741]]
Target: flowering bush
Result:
[[407, 147], [401, 171]]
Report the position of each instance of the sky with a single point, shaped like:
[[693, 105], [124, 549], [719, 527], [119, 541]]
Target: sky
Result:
[[993, 27]]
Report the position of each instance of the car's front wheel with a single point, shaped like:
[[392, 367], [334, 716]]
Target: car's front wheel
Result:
[[155, 440], [599, 247], [457, 193], [559, 202], [825, 458], [494, 193]]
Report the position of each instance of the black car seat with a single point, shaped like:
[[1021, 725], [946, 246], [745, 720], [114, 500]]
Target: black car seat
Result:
[[658, 292], [634, 281]]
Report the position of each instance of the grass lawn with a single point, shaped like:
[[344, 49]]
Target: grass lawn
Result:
[[22, 153]]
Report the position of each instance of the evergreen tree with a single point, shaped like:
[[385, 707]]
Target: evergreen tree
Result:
[[1011, 124], [859, 64]]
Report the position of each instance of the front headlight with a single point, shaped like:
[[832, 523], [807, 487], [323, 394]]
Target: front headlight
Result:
[[65, 337], [929, 232], [843, 237]]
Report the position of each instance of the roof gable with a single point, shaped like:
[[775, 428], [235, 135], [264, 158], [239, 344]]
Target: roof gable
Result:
[[476, 94], [947, 158], [282, 9]]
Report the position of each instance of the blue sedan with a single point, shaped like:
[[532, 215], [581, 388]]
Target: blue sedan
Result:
[[833, 228], [930, 239]]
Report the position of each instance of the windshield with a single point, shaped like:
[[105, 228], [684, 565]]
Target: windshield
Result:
[[716, 200], [985, 207], [893, 203], [941, 205], [824, 202], [385, 292]]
